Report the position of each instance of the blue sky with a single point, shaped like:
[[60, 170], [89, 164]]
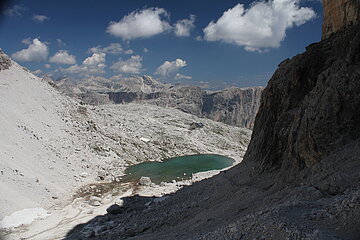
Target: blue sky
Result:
[[209, 43]]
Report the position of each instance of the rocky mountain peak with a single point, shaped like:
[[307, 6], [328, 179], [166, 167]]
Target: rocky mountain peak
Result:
[[339, 13], [148, 80], [5, 61]]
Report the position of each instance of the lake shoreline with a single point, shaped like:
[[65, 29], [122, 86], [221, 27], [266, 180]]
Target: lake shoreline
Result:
[[61, 219]]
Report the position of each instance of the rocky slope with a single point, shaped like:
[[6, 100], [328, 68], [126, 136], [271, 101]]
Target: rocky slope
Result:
[[234, 106], [51, 144], [300, 176]]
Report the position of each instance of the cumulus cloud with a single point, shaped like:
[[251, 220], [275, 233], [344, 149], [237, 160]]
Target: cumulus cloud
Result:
[[132, 65], [169, 69], [95, 64], [140, 24], [95, 59], [40, 18], [181, 76], [37, 51], [47, 66], [184, 26], [263, 25], [129, 52], [83, 70], [16, 10], [112, 48], [63, 57]]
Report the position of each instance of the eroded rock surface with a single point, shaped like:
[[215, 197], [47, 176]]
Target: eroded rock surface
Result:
[[339, 13], [5, 61], [310, 107]]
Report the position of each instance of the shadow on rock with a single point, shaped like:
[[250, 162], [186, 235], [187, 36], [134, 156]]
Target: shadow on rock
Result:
[[131, 206]]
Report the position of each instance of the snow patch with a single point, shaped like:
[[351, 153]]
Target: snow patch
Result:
[[23, 217]]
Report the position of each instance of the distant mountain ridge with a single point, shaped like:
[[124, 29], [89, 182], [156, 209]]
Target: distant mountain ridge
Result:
[[233, 106]]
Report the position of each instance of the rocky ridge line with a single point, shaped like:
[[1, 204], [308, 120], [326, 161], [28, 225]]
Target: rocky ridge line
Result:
[[233, 106]]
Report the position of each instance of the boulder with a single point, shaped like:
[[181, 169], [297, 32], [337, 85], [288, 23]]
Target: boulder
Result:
[[95, 201], [115, 209], [196, 125], [145, 181]]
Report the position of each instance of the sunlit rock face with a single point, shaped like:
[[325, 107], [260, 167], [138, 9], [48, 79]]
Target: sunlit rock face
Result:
[[339, 13]]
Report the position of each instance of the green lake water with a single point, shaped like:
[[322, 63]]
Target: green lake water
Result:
[[177, 168]]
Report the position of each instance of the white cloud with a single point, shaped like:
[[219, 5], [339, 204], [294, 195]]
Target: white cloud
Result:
[[16, 10], [199, 38], [113, 48], [40, 18], [169, 69], [140, 24], [37, 51], [74, 69], [129, 52], [263, 25], [63, 57], [205, 84], [116, 77], [181, 76], [47, 66], [95, 64], [145, 50], [95, 59], [84, 70], [184, 26], [37, 72], [60, 42], [27, 41], [132, 65]]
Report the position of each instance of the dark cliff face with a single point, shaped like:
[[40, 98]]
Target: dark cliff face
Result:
[[310, 107]]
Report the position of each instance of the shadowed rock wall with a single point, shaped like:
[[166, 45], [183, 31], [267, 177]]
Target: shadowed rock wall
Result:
[[339, 13]]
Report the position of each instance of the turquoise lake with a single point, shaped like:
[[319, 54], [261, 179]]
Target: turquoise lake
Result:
[[177, 168]]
